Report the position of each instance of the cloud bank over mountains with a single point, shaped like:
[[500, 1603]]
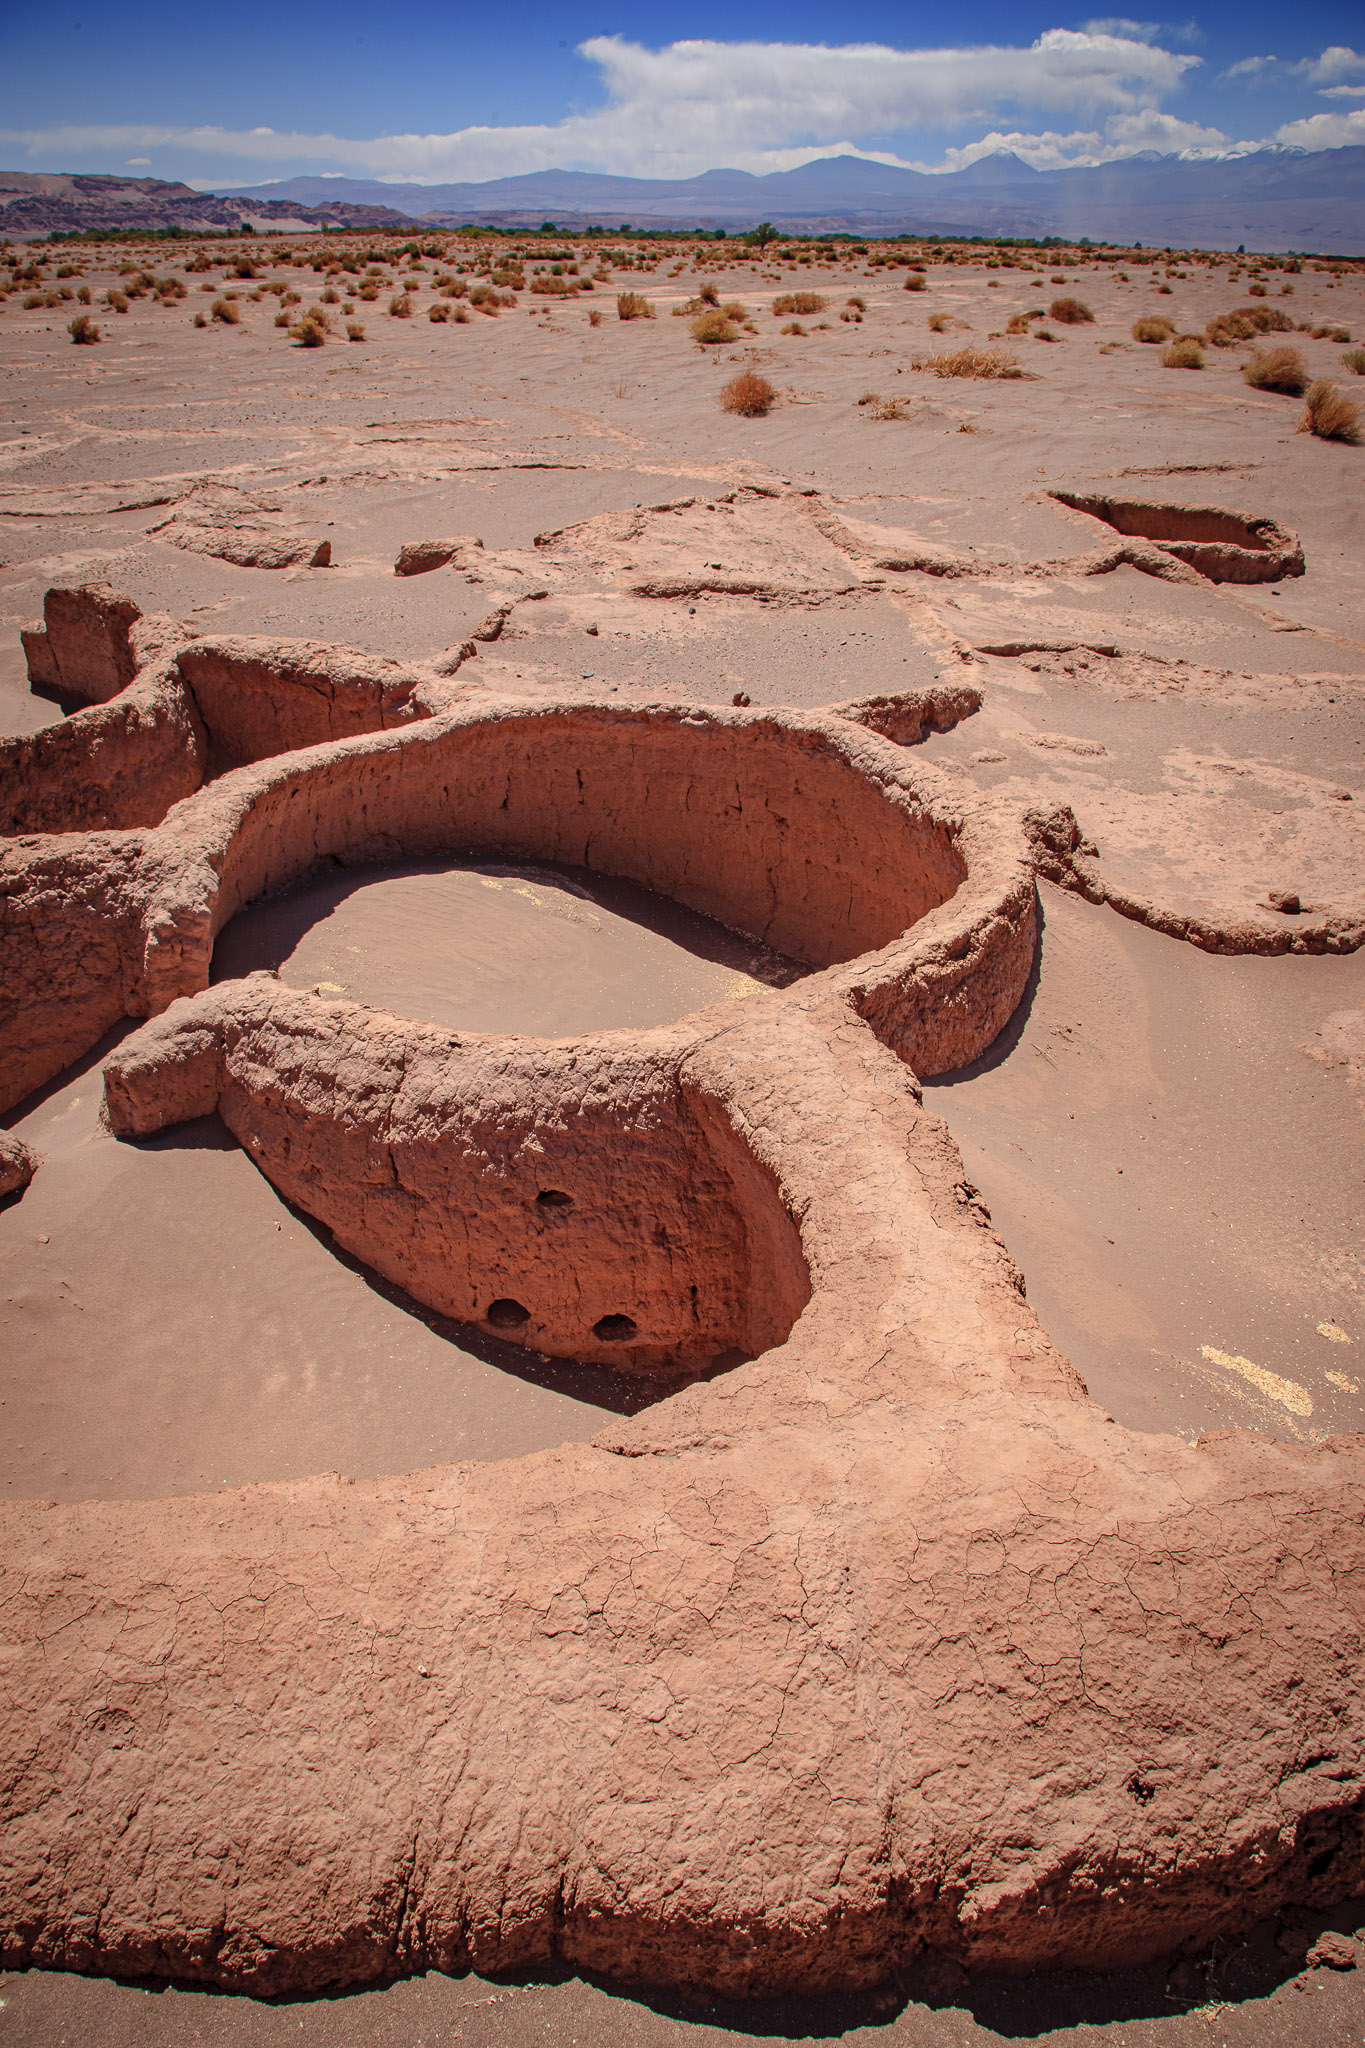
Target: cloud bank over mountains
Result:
[[1071, 97]]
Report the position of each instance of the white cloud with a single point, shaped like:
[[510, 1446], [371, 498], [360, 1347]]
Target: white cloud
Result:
[[1341, 92], [694, 105], [1249, 67], [1122, 135], [1324, 131], [1337, 62], [139, 161]]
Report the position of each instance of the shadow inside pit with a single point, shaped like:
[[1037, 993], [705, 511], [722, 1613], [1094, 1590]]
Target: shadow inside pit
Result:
[[1006, 1039]]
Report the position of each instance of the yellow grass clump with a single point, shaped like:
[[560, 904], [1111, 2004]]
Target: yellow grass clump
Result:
[[799, 302], [1071, 312], [633, 306], [1153, 327], [1330, 414], [1276, 369], [714, 326], [971, 362], [83, 329], [751, 395], [226, 311], [1184, 353]]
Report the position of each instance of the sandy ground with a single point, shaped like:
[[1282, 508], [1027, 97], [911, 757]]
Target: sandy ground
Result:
[[1170, 1141]]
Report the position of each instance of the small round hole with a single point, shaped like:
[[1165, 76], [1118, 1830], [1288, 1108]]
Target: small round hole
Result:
[[506, 1314], [614, 1329], [554, 1198]]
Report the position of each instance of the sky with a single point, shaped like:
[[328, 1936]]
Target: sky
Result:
[[436, 93]]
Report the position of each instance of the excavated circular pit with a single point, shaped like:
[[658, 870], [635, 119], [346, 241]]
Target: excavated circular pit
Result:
[[526, 950]]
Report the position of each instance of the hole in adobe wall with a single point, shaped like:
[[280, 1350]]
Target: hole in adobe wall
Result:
[[554, 1198], [614, 1329], [506, 1314]]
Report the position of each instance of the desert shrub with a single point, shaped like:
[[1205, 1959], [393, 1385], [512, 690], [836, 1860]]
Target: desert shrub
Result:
[[799, 302], [1330, 414], [595, 317], [1354, 361], [1071, 312], [202, 320], [1153, 327], [713, 327], [1276, 369], [859, 305], [438, 311], [1184, 353], [751, 395], [400, 306], [369, 290], [354, 331], [83, 295], [793, 327], [32, 300], [1244, 323], [916, 282], [1043, 334], [938, 323], [331, 297], [289, 298], [633, 306], [309, 333], [1338, 334], [226, 311], [971, 362], [244, 267], [281, 319], [83, 329]]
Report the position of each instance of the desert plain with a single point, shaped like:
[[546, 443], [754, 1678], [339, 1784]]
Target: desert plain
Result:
[[1147, 1106]]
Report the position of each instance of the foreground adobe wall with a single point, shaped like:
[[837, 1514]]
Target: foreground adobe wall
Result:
[[574, 1202], [887, 1641]]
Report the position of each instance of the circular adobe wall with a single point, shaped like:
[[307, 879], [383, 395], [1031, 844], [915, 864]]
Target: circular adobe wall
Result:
[[913, 892]]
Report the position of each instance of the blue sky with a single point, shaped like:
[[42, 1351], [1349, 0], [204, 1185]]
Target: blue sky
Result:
[[436, 93]]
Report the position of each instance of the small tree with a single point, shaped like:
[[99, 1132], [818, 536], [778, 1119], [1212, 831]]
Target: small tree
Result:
[[759, 237]]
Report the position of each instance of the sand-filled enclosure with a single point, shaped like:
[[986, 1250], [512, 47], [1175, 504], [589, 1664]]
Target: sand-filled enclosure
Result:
[[518, 1025]]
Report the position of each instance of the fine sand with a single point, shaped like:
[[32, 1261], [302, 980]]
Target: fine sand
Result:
[[1170, 1140]]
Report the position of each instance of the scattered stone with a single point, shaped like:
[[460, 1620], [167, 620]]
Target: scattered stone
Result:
[[1332, 1951], [1285, 900], [17, 1164], [741, 697], [419, 557]]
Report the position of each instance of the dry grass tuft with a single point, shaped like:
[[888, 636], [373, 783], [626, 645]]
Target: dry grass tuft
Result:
[[1184, 353], [916, 282], [83, 329], [938, 323], [400, 306], [793, 327], [1244, 323], [751, 395], [310, 333], [971, 362], [1153, 327], [1276, 369], [1071, 312], [799, 302], [1354, 361], [1330, 414], [595, 317], [714, 326], [354, 331], [633, 306], [226, 311]]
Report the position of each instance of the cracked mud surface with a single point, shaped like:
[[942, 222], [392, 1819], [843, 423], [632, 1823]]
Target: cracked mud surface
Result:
[[1202, 735]]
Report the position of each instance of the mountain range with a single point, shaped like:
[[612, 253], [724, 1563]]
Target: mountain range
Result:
[[1267, 199]]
